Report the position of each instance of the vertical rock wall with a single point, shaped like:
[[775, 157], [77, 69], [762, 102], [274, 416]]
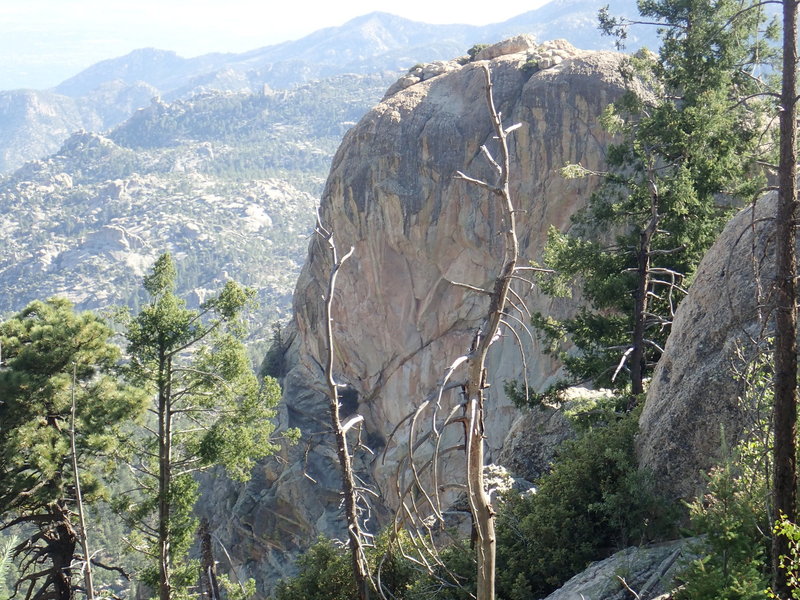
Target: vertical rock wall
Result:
[[399, 322]]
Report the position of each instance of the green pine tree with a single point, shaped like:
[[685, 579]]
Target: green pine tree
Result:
[[42, 347], [690, 130], [207, 409]]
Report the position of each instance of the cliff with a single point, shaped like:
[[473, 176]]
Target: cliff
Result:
[[399, 321]]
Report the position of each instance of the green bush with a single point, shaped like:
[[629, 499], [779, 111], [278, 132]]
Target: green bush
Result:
[[731, 518], [326, 572], [593, 502], [791, 563], [473, 52]]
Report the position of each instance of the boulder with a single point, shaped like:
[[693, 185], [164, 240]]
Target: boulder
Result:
[[647, 571], [695, 392], [514, 45]]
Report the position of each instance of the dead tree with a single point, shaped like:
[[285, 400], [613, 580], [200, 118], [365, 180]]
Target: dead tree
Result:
[[352, 492], [418, 492], [84, 536], [479, 502]]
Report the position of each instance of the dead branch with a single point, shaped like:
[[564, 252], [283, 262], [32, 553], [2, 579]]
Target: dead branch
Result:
[[357, 538]]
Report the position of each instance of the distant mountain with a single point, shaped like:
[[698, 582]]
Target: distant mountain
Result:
[[225, 181], [370, 43], [107, 93], [33, 122], [219, 159]]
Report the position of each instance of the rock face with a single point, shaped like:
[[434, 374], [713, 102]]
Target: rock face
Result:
[[694, 392], [648, 571], [399, 321]]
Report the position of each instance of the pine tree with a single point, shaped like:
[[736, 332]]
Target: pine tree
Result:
[[207, 409], [690, 130], [42, 347], [785, 384]]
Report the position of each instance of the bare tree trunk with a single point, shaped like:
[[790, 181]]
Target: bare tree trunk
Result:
[[349, 489], [84, 537], [164, 476], [785, 401], [483, 514]]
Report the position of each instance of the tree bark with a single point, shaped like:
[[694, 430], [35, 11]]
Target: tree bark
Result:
[[164, 475], [354, 535], [785, 401], [61, 540], [209, 586]]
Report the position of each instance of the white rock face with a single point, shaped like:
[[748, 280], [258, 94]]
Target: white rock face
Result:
[[399, 322]]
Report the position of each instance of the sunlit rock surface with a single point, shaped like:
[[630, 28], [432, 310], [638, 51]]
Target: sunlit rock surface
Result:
[[399, 321]]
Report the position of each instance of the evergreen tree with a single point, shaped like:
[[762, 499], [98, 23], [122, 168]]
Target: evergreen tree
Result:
[[50, 355], [690, 131], [207, 409]]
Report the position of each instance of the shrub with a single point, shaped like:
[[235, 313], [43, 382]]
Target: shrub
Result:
[[733, 563], [733, 515], [326, 572], [593, 502], [473, 52]]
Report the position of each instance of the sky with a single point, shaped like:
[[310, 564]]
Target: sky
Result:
[[43, 42]]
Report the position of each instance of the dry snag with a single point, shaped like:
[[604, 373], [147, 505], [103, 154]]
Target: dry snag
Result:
[[353, 493], [418, 491]]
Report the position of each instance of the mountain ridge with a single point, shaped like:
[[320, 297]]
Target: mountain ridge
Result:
[[377, 42]]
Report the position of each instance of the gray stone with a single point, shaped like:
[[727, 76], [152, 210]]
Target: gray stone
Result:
[[647, 570], [694, 393]]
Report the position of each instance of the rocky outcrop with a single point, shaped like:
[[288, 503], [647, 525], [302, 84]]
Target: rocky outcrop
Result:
[[399, 320], [646, 571], [694, 393]]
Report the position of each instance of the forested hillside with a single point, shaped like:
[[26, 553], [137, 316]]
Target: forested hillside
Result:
[[226, 181]]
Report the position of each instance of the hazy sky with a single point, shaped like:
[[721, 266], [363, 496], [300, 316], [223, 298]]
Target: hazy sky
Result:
[[43, 42]]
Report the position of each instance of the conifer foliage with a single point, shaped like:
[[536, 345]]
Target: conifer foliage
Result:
[[207, 408], [689, 130], [51, 354]]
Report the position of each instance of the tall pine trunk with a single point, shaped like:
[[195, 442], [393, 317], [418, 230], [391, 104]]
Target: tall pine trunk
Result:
[[164, 475], [785, 402]]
